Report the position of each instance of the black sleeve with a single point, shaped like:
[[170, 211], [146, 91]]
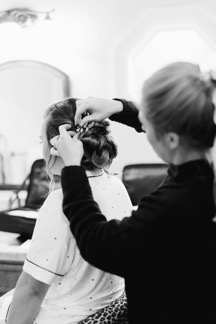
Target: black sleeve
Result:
[[128, 116], [108, 245]]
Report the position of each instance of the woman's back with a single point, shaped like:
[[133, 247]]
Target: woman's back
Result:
[[77, 289], [179, 264]]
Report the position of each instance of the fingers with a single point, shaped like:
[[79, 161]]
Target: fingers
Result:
[[76, 137], [86, 119], [63, 129], [53, 151], [79, 111], [82, 107], [54, 140], [71, 133], [63, 133]]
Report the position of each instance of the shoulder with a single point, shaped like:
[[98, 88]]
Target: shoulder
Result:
[[114, 179], [169, 198], [113, 183], [52, 208], [53, 199], [116, 190]]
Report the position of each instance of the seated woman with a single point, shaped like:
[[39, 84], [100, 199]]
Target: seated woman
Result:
[[57, 285]]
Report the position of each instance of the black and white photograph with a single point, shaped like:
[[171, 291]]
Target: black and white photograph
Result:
[[107, 162]]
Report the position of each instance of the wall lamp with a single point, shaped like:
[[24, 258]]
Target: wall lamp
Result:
[[24, 17]]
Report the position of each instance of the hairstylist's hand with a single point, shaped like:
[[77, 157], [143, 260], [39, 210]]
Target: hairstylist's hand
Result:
[[97, 107], [69, 148]]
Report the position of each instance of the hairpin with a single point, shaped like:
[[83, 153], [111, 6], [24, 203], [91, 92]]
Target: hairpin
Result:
[[80, 130]]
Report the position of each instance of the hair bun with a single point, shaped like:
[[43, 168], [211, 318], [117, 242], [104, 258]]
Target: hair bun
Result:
[[99, 147], [99, 128]]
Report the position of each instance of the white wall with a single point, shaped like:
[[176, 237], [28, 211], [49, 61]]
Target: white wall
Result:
[[161, 34], [95, 43]]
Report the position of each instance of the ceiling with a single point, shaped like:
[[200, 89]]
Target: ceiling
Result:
[[105, 20]]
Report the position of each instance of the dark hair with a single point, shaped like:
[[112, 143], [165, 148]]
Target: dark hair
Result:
[[99, 147], [179, 98]]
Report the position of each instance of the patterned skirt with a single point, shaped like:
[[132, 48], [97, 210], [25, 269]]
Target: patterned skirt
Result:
[[114, 313]]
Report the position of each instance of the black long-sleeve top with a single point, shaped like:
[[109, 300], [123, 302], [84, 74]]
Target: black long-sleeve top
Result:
[[165, 250]]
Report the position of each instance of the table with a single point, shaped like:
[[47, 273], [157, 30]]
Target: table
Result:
[[12, 255], [5, 195]]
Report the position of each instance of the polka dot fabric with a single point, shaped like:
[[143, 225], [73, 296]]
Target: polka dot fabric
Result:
[[115, 313], [77, 289]]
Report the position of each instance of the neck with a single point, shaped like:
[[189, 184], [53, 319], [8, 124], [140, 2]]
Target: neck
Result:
[[186, 155], [95, 172]]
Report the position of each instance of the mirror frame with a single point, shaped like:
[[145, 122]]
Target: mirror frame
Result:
[[66, 88], [43, 66]]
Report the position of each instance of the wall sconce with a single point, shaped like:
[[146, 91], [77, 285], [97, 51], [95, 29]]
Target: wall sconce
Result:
[[24, 17]]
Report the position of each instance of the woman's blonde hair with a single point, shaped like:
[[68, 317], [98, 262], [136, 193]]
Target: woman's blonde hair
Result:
[[179, 98]]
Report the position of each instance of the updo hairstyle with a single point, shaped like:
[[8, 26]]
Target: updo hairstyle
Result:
[[99, 147]]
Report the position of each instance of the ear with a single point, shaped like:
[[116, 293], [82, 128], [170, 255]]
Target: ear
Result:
[[172, 140]]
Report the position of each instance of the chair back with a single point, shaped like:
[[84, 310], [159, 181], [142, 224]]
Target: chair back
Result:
[[38, 185], [141, 179]]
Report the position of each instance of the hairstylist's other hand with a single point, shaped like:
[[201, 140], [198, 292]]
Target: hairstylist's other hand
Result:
[[69, 148], [97, 107]]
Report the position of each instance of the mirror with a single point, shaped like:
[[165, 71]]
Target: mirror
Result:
[[27, 88]]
